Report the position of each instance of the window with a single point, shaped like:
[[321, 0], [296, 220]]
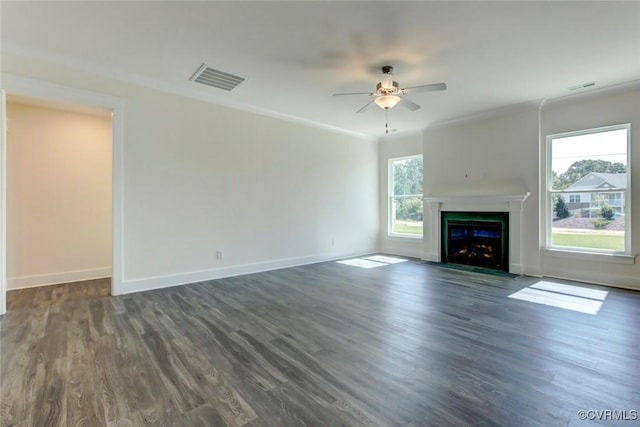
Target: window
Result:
[[592, 165], [405, 196]]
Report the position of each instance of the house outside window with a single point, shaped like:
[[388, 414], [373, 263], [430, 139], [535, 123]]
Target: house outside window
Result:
[[405, 197], [587, 186], [590, 204]]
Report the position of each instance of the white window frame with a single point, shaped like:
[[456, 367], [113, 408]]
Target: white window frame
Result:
[[549, 192], [392, 197]]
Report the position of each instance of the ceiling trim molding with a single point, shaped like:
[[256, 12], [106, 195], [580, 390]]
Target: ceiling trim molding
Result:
[[536, 104], [162, 86], [606, 90], [487, 114]]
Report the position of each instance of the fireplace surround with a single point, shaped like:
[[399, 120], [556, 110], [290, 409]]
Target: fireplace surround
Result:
[[510, 204]]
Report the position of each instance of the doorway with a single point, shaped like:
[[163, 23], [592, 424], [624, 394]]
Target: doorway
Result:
[[14, 86], [58, 192]]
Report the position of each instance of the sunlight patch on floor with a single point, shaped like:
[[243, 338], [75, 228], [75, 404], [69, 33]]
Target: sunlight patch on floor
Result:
[[371, 261], [385, 259], [568, 297]]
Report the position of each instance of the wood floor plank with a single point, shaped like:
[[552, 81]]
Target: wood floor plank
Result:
[[202, 416], [120, 407], [84, 405], [141, 385], [409, 344], [229, 404]]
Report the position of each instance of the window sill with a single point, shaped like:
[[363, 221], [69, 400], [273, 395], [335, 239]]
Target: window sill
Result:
[[590, 256], [404, 236]]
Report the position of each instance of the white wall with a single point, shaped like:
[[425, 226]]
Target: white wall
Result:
[[400, 145], [269, 193], [58, 195], [505, 154], [491, 156], [199, 177], [587, 112]]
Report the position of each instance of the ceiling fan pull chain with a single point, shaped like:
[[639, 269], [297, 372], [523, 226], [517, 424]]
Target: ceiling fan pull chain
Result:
[[386, 121]]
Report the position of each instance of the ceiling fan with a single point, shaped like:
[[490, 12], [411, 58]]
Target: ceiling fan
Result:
[[388, 94]]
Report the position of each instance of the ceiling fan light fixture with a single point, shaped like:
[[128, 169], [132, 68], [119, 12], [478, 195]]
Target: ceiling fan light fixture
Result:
[[387, 101]]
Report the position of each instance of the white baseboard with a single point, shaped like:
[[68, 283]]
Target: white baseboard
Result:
[[516, 269], [159, 282], [430, 256], [623, 282], [405, 253], [408, 249], [55, 278], [533, 272]]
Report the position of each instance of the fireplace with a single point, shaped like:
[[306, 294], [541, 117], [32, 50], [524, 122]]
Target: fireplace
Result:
[[476, 238], [508, 205]]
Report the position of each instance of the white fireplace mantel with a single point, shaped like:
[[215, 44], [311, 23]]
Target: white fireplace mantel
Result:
[[511, 203], [476, 199]]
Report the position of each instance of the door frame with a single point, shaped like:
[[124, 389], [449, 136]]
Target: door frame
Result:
[[17, 85]]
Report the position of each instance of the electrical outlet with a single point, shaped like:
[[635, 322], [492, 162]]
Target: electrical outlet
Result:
[[219, 254], [333, 242]]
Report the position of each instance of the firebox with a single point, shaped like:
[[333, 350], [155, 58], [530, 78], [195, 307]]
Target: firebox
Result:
[[476, 238]]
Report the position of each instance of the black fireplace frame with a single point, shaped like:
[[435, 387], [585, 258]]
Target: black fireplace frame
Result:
[[497, 219]]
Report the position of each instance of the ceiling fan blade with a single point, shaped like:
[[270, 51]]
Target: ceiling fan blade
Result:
[[365, 108], [425, 88], [409, 104], [353, 93]]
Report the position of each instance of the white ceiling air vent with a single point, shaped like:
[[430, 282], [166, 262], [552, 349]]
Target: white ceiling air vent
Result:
[[216, 78], [582, 86]]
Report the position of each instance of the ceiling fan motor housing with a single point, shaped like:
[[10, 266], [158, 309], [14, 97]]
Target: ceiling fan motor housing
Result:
[[392, 90]]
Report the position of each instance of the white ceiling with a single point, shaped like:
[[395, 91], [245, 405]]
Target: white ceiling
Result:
[[295, 55]]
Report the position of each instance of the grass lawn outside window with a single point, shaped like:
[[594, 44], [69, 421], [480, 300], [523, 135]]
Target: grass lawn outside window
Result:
[[590, 240], [582, 233], [411, 228]]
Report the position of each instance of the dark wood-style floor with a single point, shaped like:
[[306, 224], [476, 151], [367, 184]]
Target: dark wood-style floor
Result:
[[409, 344]]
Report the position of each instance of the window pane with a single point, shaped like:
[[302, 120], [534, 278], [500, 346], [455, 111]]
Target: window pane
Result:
[[405, 191], [598, 225], [406, 216], [588, 160], [407, 177], [589, 213]]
